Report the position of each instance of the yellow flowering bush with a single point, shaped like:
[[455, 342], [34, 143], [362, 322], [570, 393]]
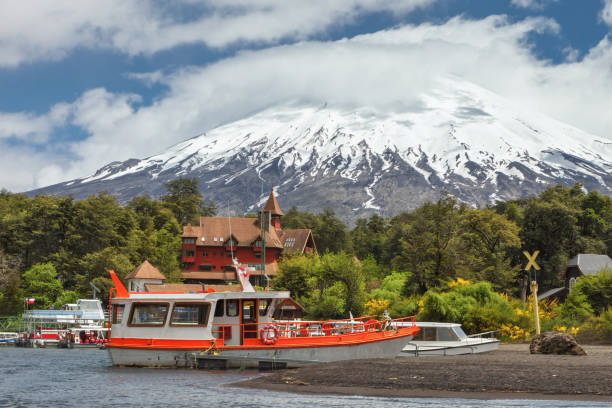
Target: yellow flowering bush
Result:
[[458, 282], [564, 329], [513, 333], [376, 307]]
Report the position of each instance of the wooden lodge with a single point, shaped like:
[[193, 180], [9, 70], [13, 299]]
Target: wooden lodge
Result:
[[256, 242]]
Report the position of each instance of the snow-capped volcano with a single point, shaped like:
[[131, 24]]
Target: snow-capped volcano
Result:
[[459, 137]]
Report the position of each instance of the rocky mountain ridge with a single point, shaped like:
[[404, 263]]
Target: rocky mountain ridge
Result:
[[459, 138]]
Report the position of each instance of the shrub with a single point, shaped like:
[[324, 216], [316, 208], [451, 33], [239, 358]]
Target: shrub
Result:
[[597, 329]]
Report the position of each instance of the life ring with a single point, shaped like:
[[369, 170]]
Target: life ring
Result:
[[372, 323], [269, 334]]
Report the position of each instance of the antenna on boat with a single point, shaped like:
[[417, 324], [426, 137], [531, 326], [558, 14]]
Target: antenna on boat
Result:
[[229, 222]]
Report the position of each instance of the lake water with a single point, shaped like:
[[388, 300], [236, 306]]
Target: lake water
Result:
[[86, 378]]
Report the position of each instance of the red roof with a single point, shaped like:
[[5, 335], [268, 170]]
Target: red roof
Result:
[[146, 271], [215, 231], [272, 205]]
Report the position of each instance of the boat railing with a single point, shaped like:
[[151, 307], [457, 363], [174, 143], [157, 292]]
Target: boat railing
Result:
[[310, 328], [484, 335]]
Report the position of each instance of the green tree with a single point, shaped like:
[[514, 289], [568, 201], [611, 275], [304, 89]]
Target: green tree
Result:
[[550, 226], [97, 264], [10, 280], [294, 273], [167, 253], [185, 201], [487, 238], [330, 233], [368, 237], [40, 282], [100, 223], [342, 268], [429, 244]]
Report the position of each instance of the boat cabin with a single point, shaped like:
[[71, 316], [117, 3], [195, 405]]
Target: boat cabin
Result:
[[228, 317], [433, 331]]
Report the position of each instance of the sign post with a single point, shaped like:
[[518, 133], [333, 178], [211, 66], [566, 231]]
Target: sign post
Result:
[[534, 287]]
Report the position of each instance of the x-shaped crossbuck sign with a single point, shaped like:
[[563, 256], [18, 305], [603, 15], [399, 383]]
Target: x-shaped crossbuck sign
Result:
[[532, 261]]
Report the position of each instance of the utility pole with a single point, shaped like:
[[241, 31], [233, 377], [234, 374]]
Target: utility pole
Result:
[[264, 225], [534, 286]]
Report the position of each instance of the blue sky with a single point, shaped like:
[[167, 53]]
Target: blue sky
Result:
[[86, 83]]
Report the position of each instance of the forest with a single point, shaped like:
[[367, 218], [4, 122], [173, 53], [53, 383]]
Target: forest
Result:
[[444, 261]]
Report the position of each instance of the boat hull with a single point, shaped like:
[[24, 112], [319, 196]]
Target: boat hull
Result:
[[416, 348], [244, 357]]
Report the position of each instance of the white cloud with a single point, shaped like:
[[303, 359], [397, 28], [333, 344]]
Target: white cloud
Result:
[[41, 29], [386, 70], [32, 127], [606, 12], [532, 4]]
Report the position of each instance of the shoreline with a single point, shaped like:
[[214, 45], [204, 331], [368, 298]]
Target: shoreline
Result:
[[508, 373]]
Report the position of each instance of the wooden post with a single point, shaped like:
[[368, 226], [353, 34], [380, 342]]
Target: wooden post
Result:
[[523, 289], [534, 286], [536, 314]]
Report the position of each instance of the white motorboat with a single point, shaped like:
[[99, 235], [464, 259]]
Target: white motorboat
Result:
[[8, 337], [447, 339]]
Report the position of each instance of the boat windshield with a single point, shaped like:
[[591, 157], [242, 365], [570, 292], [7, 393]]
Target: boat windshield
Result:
[[460, 333], [446, 334]]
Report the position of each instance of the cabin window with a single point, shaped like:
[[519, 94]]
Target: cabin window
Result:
[[426, 334], [190, 314], [446, 334], [219, 308], [117, 312], [205, 267], [231, 309], [263, 306], [148, 314]]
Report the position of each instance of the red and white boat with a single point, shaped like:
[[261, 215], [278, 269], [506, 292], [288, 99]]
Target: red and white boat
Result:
[[237, 329]]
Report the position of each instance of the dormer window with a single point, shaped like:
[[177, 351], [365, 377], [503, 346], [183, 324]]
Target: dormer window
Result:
[[221, 239], [203, 239], [290, 242], [215, 239], [259, 243], [189, 241]]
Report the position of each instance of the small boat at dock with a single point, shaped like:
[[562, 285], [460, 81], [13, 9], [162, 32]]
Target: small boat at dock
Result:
[[237, 329], [8, 338], [50, 328]]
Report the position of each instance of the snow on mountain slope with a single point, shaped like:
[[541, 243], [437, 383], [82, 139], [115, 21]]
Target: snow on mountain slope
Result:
[[460, 138]]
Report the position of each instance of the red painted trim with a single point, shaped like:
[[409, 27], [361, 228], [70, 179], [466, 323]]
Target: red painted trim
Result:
[[121, 291], [255, 344]]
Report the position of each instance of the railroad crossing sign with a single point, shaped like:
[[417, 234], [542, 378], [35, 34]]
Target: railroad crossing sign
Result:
[[531, 259], [534, 287]]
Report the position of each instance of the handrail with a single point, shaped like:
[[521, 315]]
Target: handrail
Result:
[[312, 328], [483, 333]]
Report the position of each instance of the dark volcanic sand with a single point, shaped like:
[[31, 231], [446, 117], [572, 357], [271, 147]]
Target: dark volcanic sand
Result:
[[510, 372]]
